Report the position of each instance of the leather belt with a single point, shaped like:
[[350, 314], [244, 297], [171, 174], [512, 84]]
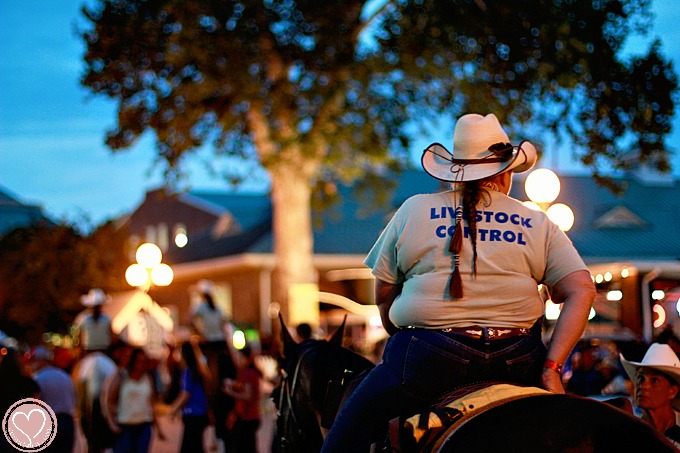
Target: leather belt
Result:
[[489, 333], [485, 333]]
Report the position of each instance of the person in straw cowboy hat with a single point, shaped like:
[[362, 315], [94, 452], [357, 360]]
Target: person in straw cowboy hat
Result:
[[457, 275], [95, 327], [657, 388]]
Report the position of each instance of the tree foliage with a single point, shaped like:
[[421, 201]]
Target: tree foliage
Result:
[[45, 269], [317, 92], [344, 83]]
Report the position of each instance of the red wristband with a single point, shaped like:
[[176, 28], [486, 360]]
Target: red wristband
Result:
[[555, 366]]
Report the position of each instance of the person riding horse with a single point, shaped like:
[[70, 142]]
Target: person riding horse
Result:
[[457, 276], [318, 376]]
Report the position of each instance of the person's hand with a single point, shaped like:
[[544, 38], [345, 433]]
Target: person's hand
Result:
[[162, 409], [551, 380]]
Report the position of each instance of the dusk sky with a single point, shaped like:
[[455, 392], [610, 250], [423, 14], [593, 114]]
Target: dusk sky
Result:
[[52, 130]]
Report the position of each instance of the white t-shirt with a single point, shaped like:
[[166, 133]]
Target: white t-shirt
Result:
[[209, 322], [96, 334], [517, 248], [134, 401]]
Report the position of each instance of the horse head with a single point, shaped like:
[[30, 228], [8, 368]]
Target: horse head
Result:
[[303, 394]]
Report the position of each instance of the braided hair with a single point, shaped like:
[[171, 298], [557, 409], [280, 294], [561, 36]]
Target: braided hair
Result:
[[473, 193]]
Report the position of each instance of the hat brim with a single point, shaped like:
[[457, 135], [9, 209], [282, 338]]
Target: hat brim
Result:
[[93, 302], [437, 161], [631, 369], [89, 303]]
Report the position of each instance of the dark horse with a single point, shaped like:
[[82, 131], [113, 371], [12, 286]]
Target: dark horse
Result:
[[318, 375]]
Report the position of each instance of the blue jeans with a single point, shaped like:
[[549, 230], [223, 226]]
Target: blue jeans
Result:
[[133, 439], [421, 365]]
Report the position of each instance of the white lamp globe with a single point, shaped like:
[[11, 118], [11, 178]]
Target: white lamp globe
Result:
[[136, 275], [561, 215], [542, 186], [531, 205], [149, 255], [162, 275]]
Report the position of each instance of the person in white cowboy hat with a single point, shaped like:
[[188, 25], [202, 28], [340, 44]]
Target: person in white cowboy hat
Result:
[[457, 275], [215, 330], [657, 388], [95, 327]]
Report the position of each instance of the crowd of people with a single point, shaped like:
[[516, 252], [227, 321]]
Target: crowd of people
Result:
[[131, 396], [115, 393]]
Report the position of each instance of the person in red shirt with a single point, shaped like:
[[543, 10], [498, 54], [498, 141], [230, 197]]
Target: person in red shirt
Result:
[[246, 390]]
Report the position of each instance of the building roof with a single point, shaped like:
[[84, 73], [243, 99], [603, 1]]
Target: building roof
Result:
[[15, 214], [640, 224]]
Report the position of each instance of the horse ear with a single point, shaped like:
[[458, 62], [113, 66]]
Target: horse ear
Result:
[[288, 340], [338, 334]]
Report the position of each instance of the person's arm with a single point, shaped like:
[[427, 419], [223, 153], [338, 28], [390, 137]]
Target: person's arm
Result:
[[385, 294], [110, 411], [179, 402], [203, 369], [239, 390], [576, 292], [155, 403]]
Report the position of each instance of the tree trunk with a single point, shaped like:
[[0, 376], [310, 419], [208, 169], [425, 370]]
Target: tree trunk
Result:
[[292, 229]]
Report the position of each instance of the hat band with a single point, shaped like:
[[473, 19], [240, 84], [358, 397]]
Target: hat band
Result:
[[500, 152], [483, 160]]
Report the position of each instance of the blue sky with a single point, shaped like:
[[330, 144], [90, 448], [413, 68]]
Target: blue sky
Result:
[[52, 130]]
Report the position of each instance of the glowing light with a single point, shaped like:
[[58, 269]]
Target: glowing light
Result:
[[148, 270], [542, 186], [661, 315], [531, 205], [615, 295], [181, 239], [625, 272], [136, 275], [592, 313], [607, 276], [677, 306], [375, 321], [658, 294], [561, 215], [162, 275], [239, 339], [149, 255], [599, 278], [552, 310], [273, 310]]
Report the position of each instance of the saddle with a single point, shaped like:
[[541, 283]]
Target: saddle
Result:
[[420, 432]]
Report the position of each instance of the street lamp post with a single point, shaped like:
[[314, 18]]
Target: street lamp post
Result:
[[542, 186], [148, 270]]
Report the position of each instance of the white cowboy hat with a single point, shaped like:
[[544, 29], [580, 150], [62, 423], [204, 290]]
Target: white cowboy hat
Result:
[[658, 357], [472, 159], [94, 297], [204, 286]]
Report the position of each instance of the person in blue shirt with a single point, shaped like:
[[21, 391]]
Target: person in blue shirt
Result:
[[192, 400]]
